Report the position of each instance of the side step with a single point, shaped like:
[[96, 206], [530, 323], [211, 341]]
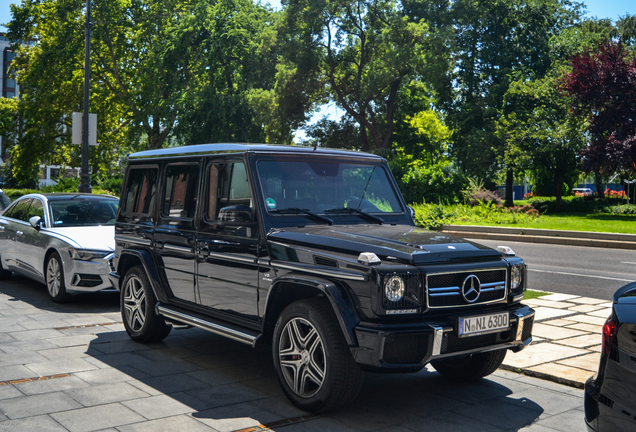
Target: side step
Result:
[[221, 328]]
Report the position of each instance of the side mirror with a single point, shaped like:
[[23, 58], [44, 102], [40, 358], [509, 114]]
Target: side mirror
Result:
[[239, 215], [411, 212], [36, 222]]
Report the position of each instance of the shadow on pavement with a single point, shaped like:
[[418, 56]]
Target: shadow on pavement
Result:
[[230, 386], [22, 289]]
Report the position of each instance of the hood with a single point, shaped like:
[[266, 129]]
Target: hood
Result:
[[100, 238], [406, 243]]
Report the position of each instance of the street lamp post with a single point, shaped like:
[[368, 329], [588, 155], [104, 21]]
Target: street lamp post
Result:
[[85, 174]]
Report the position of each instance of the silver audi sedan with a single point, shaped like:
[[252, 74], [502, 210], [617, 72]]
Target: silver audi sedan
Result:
[[64, 240]]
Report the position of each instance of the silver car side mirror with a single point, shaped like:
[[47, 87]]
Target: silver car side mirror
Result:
[[36, 222]]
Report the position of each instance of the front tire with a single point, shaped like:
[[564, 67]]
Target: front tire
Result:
[[54, 278], [312, 360], [4, 274], [470, 367], [137, 305]]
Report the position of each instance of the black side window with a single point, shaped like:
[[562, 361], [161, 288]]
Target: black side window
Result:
[[229, 198], [20, 210], [36, 209], [180, 197], [140, 194]]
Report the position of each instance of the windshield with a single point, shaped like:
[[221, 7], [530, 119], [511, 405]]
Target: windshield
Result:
[[323, 187], [4, 201], [83, 212]]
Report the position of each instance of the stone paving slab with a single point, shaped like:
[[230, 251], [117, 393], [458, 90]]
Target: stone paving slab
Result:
[[567, 347]]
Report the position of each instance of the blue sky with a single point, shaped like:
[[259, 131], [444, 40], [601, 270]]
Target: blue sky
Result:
[[599, 8]]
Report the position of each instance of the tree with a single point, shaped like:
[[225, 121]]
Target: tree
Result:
[[155, 64], [361, 53], [494, 42], [602, 85], [541, 135]]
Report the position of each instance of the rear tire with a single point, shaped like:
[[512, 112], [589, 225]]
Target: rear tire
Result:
[[312, 360], [137, 303], [470, 367], [54, 278]]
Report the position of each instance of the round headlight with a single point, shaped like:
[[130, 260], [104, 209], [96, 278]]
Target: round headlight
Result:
[[516, 277], [394, 288]]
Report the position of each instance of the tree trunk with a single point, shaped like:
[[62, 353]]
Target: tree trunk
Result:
[[598, 178], [510, 180], [558, 188]]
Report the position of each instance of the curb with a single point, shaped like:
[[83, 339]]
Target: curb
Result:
[[533, 235], [545, 376]]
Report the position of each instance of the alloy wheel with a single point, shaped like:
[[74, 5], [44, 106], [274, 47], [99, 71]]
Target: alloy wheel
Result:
[[302, 357], [53, 277], [134, 304]]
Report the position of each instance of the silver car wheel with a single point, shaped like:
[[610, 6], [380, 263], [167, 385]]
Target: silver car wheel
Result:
[[302, 357], [53, 276], [134, 304]]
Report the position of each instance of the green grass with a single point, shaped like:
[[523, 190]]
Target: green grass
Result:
[[597, 222], [529, 294]]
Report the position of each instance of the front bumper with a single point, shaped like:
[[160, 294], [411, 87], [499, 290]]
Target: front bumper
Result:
[[87, 276], [590, 403], [410, 347]]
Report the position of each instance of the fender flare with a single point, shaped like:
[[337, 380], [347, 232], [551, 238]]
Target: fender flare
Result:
[[340, 303], [150, 267]]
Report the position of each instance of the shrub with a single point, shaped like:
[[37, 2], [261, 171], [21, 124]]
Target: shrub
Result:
[[625, 209], [475, 193], [434, 183], [434, 215]]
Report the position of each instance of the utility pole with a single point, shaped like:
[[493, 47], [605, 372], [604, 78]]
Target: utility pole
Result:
[[85, 174]]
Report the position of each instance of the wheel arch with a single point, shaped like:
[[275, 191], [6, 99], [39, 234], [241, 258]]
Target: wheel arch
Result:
[[291, 288], [130, 258]]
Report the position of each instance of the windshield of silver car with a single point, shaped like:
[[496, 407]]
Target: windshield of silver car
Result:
[[83, 212], [326, 187]]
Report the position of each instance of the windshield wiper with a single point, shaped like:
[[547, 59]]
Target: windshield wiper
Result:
[[357, 212], [296, 210]]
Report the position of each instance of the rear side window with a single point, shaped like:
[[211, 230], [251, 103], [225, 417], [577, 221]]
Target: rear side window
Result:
[[141, 190], [180, 196]]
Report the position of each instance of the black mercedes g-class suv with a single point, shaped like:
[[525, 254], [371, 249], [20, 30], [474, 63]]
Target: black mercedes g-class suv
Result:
[[315, 252]]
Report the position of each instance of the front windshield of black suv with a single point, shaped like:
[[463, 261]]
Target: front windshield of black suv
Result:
[[326, 187]]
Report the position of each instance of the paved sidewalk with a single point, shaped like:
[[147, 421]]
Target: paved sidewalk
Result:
[[566, 343], [71, 367]]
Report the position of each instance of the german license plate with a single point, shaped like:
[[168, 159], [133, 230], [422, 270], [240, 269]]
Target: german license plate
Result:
[[472, 326]]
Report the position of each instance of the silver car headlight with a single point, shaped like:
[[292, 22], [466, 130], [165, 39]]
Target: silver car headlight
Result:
[[86, 255]]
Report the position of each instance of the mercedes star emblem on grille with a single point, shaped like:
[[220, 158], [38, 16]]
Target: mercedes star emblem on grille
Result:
[[471, 288]]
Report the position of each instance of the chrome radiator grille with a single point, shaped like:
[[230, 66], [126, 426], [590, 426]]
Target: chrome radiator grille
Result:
[[464, 288]]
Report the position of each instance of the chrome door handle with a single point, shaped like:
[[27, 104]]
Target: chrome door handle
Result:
[[19, 233]]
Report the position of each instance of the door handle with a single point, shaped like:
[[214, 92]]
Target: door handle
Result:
[[204, 250], [18, 233], [159, 244]]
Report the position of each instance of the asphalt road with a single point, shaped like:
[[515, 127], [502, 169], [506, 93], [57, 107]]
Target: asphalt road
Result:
[[584, 271]]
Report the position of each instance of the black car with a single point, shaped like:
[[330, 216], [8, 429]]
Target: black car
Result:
[[315, 252], [610, 395]]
